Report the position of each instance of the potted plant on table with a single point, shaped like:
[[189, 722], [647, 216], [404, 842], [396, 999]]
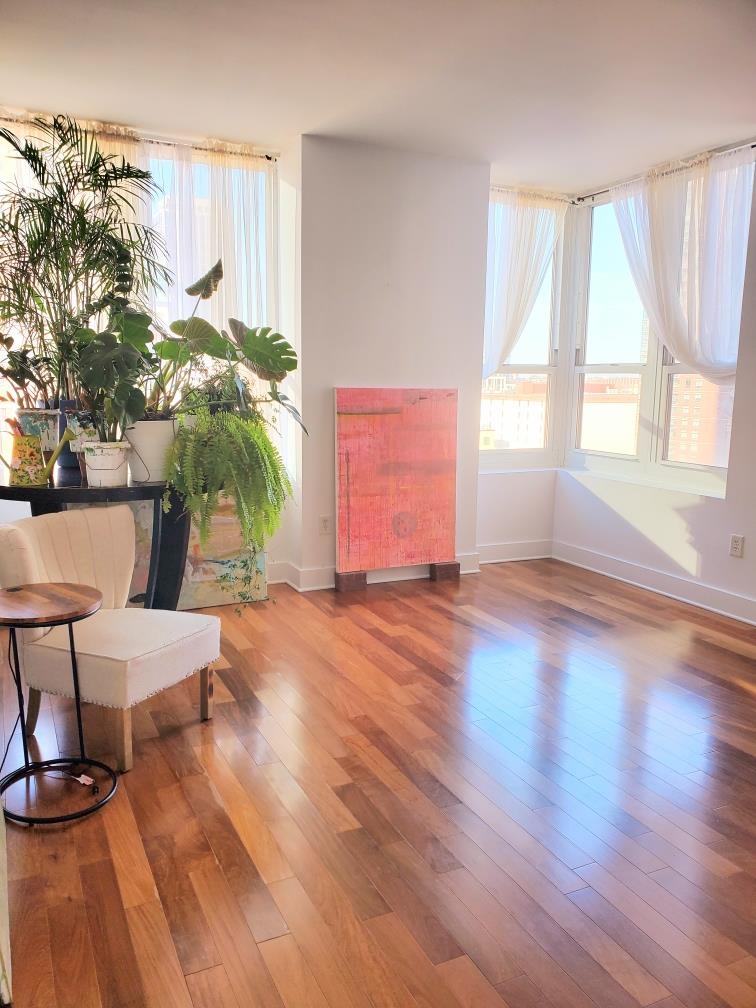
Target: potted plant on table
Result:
[[68, 243], [228, 451], [111, 367], [184, 361]]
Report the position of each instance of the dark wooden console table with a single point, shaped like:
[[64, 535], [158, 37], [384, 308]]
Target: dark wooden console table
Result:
[[170, 531]]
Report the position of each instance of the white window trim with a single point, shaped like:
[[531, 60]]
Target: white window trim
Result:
[[648, 467]]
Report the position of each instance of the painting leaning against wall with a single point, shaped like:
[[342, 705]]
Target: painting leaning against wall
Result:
[[396, 469]]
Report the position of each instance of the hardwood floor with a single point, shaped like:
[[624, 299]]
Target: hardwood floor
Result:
[[535, 788]]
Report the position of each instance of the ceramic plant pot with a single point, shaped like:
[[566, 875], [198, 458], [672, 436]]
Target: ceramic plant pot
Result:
[[107, 463], [41, 423], [82, 426], [150, 441]]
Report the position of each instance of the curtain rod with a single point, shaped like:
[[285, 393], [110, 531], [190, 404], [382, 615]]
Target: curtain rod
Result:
[[577, 200], [534, 194], [116, 132]]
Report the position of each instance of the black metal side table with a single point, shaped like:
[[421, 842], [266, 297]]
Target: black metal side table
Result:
[[40, 606]]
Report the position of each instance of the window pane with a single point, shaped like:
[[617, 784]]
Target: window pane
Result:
[[700, 421], [609, 415], [617, 330], [534, 344], [513, 411]]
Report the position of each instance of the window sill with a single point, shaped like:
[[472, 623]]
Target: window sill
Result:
[[713, 488], [515, 470]]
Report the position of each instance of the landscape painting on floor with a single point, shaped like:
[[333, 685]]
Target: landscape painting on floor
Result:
[[396, 477]]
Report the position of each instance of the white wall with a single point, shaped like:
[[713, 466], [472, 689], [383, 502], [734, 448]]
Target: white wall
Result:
[[671, 541], [515, 514], [393, 253]]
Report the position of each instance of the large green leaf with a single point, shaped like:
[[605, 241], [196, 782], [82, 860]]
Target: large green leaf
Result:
[[207, 285], [134, 327], [105, 362], [265, 352], [201, 337], [128, 404], [173, 350]]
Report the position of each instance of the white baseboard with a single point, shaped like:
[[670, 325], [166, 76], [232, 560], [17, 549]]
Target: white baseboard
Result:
[[304, 579], [718, 600], [527, 549], [741, 607]]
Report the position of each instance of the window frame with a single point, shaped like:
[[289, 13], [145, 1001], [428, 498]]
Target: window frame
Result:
[[648, 465], [495, 460]]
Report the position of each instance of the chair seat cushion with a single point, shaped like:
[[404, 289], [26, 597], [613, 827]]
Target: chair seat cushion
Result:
[[124, 655]]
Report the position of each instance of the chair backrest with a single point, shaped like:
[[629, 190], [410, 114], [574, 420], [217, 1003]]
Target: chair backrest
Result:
[[92, 545]]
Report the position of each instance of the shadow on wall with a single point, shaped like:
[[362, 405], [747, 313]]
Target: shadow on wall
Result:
[[667, 540], [621, 520]]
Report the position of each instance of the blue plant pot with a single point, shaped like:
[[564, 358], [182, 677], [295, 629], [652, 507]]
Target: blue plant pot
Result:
[[66, 459]]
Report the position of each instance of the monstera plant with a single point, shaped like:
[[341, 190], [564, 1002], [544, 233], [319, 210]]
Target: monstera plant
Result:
[[230, 451]]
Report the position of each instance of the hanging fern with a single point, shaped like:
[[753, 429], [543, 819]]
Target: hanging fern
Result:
[[230, 454]]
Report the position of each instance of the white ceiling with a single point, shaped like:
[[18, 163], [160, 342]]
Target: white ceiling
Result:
[[561, 94]]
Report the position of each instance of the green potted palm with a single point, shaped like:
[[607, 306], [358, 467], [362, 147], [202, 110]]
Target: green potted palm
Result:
[[69, 244]]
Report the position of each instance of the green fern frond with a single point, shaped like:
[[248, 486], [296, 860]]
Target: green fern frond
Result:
[[231, 454]]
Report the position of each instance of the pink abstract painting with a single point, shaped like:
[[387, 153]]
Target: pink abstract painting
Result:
[[396, 476]]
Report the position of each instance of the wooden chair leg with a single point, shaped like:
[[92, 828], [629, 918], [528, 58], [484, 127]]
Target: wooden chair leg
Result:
[[32, 710], [206, 692], [123, 746]]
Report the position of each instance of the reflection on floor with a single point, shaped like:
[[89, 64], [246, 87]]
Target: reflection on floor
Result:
[[535, 788]]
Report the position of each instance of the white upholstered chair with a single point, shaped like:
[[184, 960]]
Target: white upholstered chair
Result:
[[124, 655]]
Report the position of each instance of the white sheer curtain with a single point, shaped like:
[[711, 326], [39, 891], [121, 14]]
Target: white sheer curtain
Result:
[[523, 230], [685, 233], [215, 205]]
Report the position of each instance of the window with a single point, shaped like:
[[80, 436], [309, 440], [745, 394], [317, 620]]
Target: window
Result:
[[637, 410], [613, 361], [212, 206], [709, 411], [514, 403]]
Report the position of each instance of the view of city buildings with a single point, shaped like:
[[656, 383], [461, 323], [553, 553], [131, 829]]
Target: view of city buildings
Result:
[[514, 415]]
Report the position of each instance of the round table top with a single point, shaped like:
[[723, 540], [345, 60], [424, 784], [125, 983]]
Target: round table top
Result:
[[47, 604]]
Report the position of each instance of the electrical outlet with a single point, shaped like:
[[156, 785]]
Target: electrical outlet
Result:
[[326, 525], [737, 545]]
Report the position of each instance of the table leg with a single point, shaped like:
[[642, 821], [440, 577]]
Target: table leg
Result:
[[16, 672], [77, 694], [174, 540], [155, 546]]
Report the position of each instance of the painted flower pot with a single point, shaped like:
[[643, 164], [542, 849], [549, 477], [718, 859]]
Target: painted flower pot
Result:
[[82, 426], [41, 423], [107, 463], [150, 441]]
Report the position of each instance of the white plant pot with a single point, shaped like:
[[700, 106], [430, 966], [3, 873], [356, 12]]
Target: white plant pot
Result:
[[150, 441], [107, 463]]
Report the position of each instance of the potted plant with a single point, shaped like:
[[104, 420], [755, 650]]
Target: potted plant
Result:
[[182, 363], [111, 367], [229, 450], [195, 365], [68, 243]]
